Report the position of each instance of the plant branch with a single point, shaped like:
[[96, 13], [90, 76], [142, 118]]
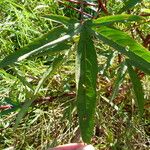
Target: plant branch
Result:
[[84, 3], [101, 6], [79, 11]]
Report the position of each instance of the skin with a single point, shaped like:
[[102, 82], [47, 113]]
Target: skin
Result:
[[73, 146]]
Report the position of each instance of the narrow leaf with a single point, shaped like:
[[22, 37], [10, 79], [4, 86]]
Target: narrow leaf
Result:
[[49, 40], [55, 49], [126, 45], [128, 5], [110, 57], [139, 65], [116, 18], [86, 73], [137, 87], [120, 77], [61, 19]]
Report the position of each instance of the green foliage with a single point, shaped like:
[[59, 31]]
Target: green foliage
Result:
[[86, 74], [83, 35], [61, 19], [138, 90], [128, 5], [45, 43], [116, 18], [125, 45], [120, 77]]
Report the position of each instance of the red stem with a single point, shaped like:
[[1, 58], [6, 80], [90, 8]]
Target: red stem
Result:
[[84, 3], [5, 107], [101, 6], [79, 11]]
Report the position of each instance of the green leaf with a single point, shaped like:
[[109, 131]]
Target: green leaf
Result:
[[116, 18], [22, 112], [126, 45], [120, 77], [128, 5], [110, 57], [51, 39], [55, 49], [140, 66], [86, 74], [61, 19], [138, 90]]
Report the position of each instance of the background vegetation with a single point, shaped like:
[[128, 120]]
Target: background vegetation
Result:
[[53, 119]]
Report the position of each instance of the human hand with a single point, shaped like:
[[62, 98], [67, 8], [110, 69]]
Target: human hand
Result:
[[73, 146]]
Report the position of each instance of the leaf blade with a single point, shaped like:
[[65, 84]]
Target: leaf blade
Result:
[[120, 77], [128, 5], [116, 18], [137, 87], [126, 45], [61, 19], [51, 39], [86, 73]]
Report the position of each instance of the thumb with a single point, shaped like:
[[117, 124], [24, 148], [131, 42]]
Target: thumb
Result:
[[87, 147]]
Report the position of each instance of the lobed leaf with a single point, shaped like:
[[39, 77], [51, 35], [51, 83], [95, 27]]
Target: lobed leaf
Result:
[[137, 87], [116, 18], [126, 45], [86, 74]]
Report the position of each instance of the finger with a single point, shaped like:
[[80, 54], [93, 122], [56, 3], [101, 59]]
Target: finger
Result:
[[72, 146], [87, 147]]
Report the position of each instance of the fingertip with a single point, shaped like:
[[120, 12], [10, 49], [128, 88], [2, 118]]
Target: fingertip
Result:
[[87, 147], [71, 146]]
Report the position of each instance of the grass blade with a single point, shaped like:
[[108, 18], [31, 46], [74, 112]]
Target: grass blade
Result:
[[50, 71], [86, 74], [22, 112], [137, 87], [51, 39]]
